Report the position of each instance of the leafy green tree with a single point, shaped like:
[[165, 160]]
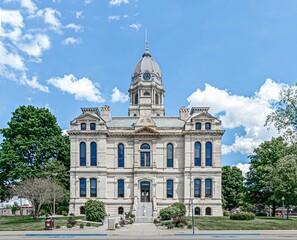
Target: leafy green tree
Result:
[[232, 187], [32, 142], [285, 116], [284, 177], [260, 188], [95, 210]]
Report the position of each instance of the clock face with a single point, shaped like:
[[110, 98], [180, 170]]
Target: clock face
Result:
[[146, 76]]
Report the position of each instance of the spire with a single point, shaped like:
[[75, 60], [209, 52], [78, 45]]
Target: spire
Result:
[[146, 53]]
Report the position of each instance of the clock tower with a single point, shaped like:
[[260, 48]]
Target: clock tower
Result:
[[146, 90]]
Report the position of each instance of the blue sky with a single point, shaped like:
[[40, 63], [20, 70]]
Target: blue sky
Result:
[[234, 56]]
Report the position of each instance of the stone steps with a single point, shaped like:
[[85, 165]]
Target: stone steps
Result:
[[144, 212]]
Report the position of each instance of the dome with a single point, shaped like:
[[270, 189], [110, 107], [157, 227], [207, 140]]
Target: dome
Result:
[[147, 64]]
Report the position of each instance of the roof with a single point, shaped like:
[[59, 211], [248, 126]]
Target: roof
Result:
[[161, 122]]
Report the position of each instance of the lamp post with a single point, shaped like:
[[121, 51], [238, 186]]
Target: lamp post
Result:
[[283, 198], [192, 205]]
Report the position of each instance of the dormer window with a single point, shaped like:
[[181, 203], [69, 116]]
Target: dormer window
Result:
[[83, 126], [93, 126], [207, 126], [198, 126]]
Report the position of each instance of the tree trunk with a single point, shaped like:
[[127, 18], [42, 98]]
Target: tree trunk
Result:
[[288, 212]]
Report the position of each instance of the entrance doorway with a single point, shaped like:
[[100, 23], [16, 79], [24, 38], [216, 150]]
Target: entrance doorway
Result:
[[145, 191]]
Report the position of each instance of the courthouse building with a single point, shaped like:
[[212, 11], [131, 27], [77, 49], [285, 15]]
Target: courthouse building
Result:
[[146, 161]]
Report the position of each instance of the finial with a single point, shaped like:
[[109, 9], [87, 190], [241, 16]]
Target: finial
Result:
[[147, 53]]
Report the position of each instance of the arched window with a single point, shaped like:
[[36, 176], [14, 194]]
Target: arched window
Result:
[[93, 187], [197, 188], [207, 126], [134, 115], [198, 126], [169, 188], [208, 188], [120, 210], [208, 211], [157, 99], [208, 154], [93, 126], [83, 126], [121, 188], [93, 154], [82, 210], [170, 155], [83, 154], [121, 155], [146, 93], [136, 99], [82, 187], [197, 154], [145, 155], [197, 211]]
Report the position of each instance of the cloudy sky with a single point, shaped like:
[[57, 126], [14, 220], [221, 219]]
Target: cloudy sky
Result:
[[233, 56]]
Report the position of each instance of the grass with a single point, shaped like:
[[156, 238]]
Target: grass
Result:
[[26, 223], [260, 223]]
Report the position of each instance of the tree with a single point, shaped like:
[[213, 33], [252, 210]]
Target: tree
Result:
[[260, 188], [56, 194], [284, 178], [285, 116], [232, 187], [36, 190], [31, 142], [95, 210]]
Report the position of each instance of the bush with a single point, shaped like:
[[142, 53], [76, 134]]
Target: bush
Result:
[[81, 225], [64, 214], [169, 225], [58, 226], [190, 226], [177, 220], [95, 210], [263, 214], [129, 215], [167, 213], [180, 225], [69, 225], [242, 216], [61, 210], [226, 213], [71, 221], [88, 224], [180, 208]]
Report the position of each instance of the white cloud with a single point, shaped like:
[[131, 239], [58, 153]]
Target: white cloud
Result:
[[88, 1], [118, 2], [135, 26], [29, 5], [245, 168], [11, 24], [240, 111], [82, 89], [65, 132], [51, 17], [113, 18], [11, 60], [35, 84], [34, 45], [77, 28], [118, 96], [71, 40], [79, 15]]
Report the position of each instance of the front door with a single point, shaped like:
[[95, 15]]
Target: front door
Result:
[[145, 191]]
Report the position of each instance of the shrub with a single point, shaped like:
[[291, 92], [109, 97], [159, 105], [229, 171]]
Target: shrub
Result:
[[69, 225], [71, 221], [58, 226], [88, 224], [242, 216], [64, 213], [177, 220], [95, 210], [129, 215], [169, 225], [263, 214], [61, 210], [166, 213], [226, 213], [190, 226], [180, 208], [81, 225], [180, 225]]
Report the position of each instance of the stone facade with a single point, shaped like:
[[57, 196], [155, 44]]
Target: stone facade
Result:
[[146, 161]]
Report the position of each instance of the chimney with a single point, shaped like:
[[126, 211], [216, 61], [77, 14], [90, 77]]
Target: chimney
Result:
[[184, 113], [105, 113]]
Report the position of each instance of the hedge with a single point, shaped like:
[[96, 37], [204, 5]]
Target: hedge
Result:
[[242, 216], [95, 210]]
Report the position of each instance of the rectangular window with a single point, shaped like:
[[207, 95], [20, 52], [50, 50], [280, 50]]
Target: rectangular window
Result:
[[83, 187], [121, 189], [208, 188], [197, 188], [198, 126], [169, 188], [93, 183]]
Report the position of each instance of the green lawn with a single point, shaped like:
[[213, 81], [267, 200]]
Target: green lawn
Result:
[[260, 223], [25, 223]]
